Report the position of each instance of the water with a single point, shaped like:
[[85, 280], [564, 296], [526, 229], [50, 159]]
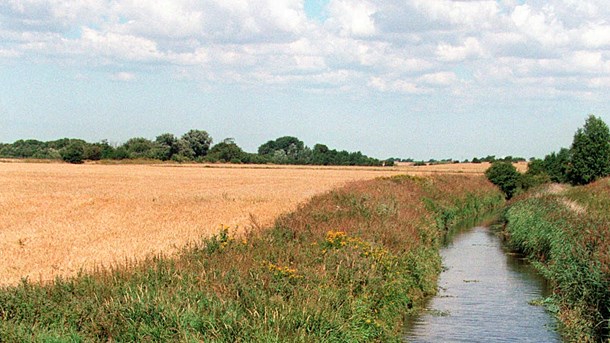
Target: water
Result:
[[484, 296]]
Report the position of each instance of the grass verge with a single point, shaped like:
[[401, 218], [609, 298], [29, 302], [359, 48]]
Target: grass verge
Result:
[[345, 267], [567, 235]]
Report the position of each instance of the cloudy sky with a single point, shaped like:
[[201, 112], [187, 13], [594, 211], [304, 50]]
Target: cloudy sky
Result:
[[406, 78]]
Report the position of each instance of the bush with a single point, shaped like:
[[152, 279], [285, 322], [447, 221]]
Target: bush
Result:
[[505, 176], [590, 153], [73, 153]]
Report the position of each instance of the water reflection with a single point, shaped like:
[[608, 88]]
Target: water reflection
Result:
[[484, 297]]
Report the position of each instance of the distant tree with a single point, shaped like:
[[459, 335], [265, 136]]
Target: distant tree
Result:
[[164, 147], [73, 153], [536, 167], [285, 149], [138, 147], [535, 175], [120, 153], [226, 151], [505, 176], [556, 165], [93, 152], [590, 152], [198, 141]]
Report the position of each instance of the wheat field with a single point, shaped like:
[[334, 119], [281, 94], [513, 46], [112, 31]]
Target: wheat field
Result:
[[58, 218]]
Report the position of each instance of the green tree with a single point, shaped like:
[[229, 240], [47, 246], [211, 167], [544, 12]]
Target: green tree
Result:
[[138, 147], [198, 141], [226, 151], [73, 153], [166, 146], [556, 165], [505, 176], [590, 152], [290, 145]]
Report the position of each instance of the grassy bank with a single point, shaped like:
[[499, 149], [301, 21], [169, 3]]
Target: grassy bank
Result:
[[345, 267], [567, 232]]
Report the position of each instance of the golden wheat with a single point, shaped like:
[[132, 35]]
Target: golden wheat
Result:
[[58, 218]]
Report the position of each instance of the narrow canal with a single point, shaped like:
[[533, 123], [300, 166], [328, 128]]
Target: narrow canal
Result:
[[484, 296]]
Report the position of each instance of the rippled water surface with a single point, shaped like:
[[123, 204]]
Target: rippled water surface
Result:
[[484, 297]]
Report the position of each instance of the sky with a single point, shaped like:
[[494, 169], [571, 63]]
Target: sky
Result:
[[390, 78]]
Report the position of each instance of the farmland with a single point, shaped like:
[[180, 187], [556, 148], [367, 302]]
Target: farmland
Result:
[[58, 218], [346, 265]]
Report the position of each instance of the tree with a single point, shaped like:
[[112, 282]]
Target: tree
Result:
[[198, 141], [285, 149], [73, 153], [556, 165], [138, 147], [590, 152], [226, 151], [505, 176], [166, 146]]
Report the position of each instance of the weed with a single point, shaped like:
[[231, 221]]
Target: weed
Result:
[[351, 277]]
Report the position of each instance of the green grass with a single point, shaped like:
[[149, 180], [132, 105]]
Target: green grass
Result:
[[345, 267], [571, 247]]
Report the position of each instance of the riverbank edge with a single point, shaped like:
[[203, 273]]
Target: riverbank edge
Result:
[[346, 266], [566, 240]]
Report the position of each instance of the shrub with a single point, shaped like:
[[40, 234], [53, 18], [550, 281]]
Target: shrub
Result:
[[73, 153], [505, 176]]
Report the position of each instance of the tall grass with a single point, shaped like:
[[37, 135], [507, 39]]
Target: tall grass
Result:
[[571, 246], [345, 267]]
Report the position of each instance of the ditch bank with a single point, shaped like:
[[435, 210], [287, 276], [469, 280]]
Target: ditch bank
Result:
[[565, 232], [348, 265]]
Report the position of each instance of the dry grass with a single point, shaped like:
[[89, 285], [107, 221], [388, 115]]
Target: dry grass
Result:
[[57, 218], [451, 168]]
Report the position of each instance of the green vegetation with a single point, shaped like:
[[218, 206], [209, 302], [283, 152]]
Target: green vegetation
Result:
[[587, 160], [492, 159], [195, 145], [566, 231], [345, 267], [505, 176], [73, 153], [590, 152]]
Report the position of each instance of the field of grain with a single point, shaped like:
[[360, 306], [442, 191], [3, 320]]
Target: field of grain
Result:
[[453, 168], [58, 218]]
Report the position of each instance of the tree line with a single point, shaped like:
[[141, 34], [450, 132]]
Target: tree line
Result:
[[587, 160], [195, 145]]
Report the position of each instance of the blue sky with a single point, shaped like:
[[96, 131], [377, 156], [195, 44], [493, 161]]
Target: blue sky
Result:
[[417, 78]]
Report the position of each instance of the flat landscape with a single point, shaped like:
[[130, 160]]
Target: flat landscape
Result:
[[57, 218]]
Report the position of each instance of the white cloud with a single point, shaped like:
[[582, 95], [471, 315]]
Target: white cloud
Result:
[[399, 86], [123, 76], [596, 36], [473, 14], [470, 49], [353, 17], [439, 79], [411, 46], [121, 45], [542, 25]]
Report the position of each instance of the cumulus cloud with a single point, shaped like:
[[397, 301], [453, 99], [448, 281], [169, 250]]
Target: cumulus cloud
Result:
[[353, 17], [471, 48], [410, 47]]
